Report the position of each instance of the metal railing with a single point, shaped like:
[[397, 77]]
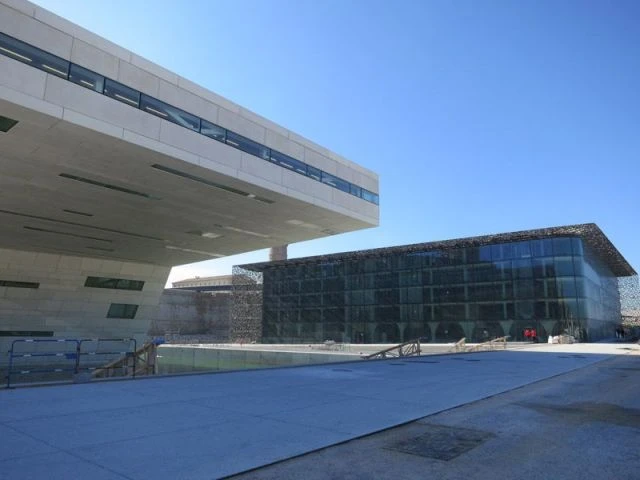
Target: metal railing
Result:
[[500, 342], [405, 349], [494, 344], [144, 362], [72, 356], [96, 355]]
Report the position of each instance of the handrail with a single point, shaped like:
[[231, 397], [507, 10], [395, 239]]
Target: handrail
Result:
[[490, 344], [127, 353], [413, 349], [460, 345], [146, 356]]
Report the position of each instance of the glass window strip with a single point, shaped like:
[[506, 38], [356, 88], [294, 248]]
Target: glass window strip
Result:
[[25, 53], [248, 146], [122, 310], [336, 182], [86, 78], [47, 62], [16, 284], [288, 162], [169, 113], [121, 92], [314, 173], [212, 130], [114, 283]]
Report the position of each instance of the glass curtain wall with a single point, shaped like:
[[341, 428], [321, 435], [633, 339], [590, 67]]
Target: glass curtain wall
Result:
[[477, 292]]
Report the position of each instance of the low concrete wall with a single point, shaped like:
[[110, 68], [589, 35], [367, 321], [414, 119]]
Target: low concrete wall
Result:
[[175, 359]]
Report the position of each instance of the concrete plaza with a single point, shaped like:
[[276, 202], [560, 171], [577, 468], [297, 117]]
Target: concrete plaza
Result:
[[214, 425]]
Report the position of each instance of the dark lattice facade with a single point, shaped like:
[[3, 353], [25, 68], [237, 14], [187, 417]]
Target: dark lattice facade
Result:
[[555, 280], [246, 306]]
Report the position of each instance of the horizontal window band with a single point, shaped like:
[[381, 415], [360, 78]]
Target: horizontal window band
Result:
[[114, 283], [204, 181], [16, 284], [26, 333], [65, 222], [37, 58]]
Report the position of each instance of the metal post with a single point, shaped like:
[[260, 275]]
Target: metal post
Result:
[[135, 355], [10, 364]]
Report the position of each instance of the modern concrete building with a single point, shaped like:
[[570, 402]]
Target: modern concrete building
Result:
[[114, 169], [552, 280], [217, 283]]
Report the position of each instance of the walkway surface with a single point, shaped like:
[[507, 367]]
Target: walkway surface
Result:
[[583, 425], [215, 425]]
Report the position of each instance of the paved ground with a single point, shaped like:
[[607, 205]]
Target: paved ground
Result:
[[582, 425], [209, 426]]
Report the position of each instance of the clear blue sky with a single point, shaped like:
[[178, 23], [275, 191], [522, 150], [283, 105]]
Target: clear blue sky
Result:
[[479, 116]]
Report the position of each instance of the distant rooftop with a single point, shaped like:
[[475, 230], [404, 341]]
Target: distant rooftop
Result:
[[214, 280], [590, 233]]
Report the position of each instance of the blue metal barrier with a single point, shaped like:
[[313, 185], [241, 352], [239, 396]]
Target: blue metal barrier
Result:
[[73, 353]]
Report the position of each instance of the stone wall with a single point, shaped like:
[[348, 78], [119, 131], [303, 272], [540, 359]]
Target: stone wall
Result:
[[192, 315]]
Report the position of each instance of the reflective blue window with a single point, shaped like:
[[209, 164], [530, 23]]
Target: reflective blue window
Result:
[[86, 78], [213, 131], [314, 173], [485, 253], [172, 114], [356, 190], [542, 248], [336, 182], [122, 93], [33, 56], [522, 268], [562, 246], [521, 250], [369, 196], [576, 243], [246, 145], [508, 250], [563, 266], [288, 162]]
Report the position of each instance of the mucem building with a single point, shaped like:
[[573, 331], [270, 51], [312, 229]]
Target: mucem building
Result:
[[556, 280]]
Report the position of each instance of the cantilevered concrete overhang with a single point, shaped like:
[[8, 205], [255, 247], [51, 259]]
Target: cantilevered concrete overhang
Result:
[[70, 189], [85, 174]]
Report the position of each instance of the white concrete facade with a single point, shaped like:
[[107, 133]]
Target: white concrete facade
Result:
[[153, 219]]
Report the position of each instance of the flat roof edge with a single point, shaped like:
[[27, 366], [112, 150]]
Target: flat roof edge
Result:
[[589, 232]]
